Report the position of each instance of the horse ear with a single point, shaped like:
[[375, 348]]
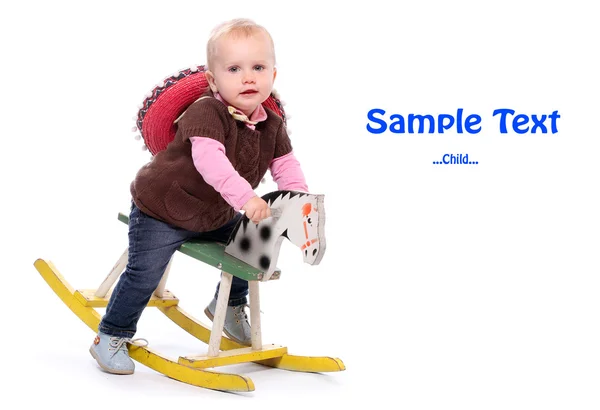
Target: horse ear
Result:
[[320, 202]]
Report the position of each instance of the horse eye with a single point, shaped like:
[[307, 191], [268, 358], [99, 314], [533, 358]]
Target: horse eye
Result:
[[309, 221]]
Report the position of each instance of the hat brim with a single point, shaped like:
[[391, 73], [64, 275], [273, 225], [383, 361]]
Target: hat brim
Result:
[[156, 117]]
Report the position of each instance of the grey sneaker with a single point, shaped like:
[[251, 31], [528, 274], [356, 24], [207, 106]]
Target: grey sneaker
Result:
[[111, 353], [236, 325]]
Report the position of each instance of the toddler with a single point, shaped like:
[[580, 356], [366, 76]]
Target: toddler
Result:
[[195, 188]]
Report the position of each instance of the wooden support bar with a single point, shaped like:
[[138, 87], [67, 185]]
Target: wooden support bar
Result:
[[235, 356], [219, 316], [114, 274], [160, 289], [87, 298], [255, 328]]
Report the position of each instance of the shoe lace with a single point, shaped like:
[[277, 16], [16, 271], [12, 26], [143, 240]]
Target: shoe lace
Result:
[[118, 343], [242, 310]]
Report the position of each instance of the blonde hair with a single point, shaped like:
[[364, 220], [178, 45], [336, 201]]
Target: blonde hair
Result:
[[236, 27]]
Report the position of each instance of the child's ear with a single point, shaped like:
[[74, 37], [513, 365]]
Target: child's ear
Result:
[[211, 81], [274, 73]]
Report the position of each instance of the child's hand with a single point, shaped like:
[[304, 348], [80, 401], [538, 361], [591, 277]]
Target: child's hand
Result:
[[257, 209]]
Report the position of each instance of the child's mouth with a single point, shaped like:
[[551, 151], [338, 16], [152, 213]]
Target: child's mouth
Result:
[[249, 92]]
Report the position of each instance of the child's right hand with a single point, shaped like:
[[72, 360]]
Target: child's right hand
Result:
[[257, 209]]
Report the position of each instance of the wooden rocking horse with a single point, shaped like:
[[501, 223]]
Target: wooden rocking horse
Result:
[[250, 254]]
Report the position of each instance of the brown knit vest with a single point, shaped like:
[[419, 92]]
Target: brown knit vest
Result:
[[169, 187]]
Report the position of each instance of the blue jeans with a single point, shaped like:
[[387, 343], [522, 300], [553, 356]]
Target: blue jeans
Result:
[[152, 243]]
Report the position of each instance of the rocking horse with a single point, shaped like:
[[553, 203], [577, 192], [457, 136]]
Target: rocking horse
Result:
[[250, 254]]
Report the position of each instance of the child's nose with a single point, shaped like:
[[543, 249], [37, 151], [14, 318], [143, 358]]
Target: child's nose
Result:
[[249, 77]]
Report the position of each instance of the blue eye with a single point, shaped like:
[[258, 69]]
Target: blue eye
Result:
[[259, 67], [233, 69]]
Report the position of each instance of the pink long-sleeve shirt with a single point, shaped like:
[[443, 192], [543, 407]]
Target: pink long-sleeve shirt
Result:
[[214, 166]]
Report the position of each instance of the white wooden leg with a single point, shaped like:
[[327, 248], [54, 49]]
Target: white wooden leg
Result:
[[160, 290], [255, 315], [219, 316], [113, 275]]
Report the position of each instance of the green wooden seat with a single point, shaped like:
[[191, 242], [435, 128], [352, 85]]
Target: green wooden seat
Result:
[[213, 253]]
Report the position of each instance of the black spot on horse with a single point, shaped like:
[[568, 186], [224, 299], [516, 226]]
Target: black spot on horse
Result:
[[264, 262], [314, 252], [245, 244], [265, 233]]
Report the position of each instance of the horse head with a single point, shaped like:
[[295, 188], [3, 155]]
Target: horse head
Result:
[[297, 216]]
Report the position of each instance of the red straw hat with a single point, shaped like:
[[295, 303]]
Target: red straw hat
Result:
[[166, 102]]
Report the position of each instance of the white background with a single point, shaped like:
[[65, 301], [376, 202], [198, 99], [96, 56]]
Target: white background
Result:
[[467, 287]]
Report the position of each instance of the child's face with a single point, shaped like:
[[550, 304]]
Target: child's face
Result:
[[243, 70]]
